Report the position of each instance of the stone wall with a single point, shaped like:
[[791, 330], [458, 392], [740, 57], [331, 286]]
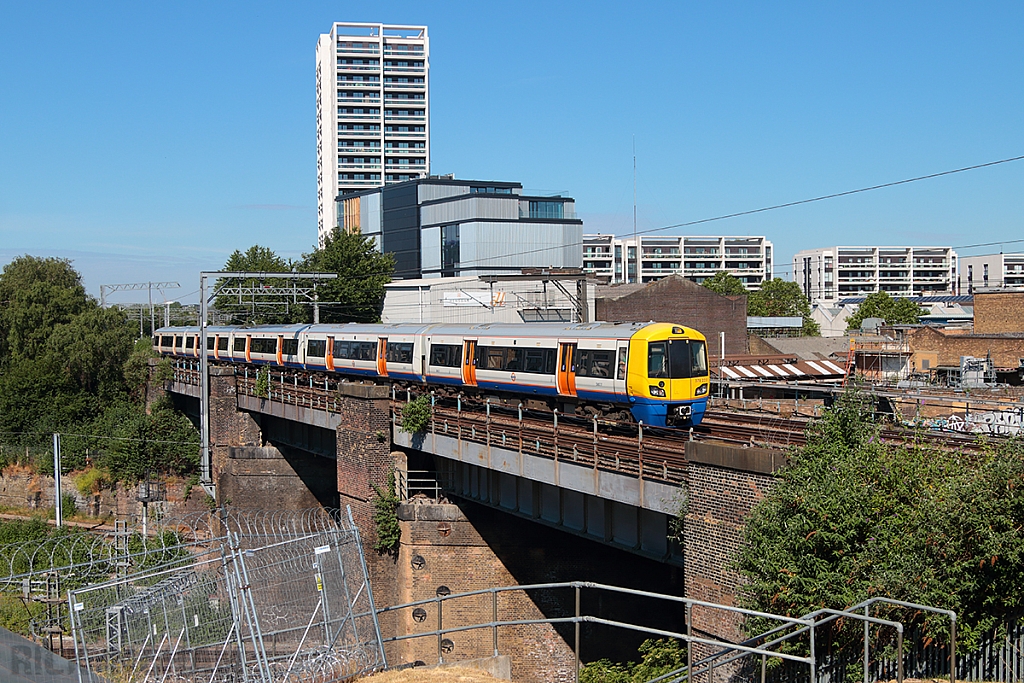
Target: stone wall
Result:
[[25, 491]]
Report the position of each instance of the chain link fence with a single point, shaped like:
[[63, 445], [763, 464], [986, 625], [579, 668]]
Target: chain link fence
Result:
[[266, 597]]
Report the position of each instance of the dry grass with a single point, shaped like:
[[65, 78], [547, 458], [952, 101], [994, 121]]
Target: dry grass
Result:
[[453, 674]]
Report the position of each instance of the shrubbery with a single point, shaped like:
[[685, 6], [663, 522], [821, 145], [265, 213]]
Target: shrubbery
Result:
[[853, 517]]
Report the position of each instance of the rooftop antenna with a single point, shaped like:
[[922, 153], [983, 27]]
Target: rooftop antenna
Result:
[[636, 245]]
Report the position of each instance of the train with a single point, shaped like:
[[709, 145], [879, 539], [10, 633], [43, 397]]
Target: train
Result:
[[651, 373]]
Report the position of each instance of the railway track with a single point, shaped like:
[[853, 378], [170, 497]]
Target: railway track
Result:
[[646, 452]]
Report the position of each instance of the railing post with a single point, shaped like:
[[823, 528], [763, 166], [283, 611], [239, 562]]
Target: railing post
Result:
[[494, 618], [440, 633], [595, 440], [689, 642], [952, 648], [555, 435], [867, 643], [576, 644]]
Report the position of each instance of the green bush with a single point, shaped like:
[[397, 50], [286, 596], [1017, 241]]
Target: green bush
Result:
[[263, 383], [385, 517], [853, 517], [91, 481], [657, 658], [416, 415]]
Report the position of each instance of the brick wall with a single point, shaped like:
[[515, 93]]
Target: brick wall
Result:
[[940, 348], [723, 485], [998, 312], [678, 300], [364, 458]]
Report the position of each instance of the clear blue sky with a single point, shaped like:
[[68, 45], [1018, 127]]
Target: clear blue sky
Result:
[[149, 140]]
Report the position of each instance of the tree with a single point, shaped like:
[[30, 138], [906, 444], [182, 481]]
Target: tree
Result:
[[778, 297], [894, 311], [725, 283], [362, 273], [36, 294], [853, 517], [257, 309]]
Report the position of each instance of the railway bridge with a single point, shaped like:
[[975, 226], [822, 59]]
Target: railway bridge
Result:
[[619, 485]]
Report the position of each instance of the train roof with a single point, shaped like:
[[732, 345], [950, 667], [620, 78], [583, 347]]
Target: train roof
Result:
[[599, 330]]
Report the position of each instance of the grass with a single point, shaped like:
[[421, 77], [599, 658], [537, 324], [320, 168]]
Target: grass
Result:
[[453, 674]]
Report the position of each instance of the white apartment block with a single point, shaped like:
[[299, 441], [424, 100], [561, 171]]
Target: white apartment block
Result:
[[991, 270], [834, 273], [694, 257], [372, 110]]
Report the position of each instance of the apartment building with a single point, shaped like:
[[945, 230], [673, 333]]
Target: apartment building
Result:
[[445, 227], [990, 270], [694, 257], [834, 273], [372, 110]]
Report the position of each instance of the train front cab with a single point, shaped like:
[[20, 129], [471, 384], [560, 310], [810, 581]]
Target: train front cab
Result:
[[668, 380]]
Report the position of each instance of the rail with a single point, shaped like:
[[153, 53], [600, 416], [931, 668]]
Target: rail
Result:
[[625, 448]]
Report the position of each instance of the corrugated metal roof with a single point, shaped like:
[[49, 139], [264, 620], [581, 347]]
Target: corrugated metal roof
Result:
[[787, 372]]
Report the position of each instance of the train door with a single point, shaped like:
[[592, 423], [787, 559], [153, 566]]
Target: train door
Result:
[[382, 356], [329, 353], [469, 363], [280, 349], [248, 348], [567, 368], [621, 365]]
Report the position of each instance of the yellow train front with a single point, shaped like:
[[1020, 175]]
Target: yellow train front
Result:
[[667, 379]]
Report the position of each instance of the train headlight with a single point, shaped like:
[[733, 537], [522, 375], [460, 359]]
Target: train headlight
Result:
[[701, 390], [657, 391]]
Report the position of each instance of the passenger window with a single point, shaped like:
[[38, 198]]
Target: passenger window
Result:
[[399, 352], [239, 344], [513, 360], [316, 348], [535, 361], [222, 343], [209, 343], [582, 362], [494, 359], [600, 364]]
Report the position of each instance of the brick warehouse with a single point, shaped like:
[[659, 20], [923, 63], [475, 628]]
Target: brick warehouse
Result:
[[679, 300]]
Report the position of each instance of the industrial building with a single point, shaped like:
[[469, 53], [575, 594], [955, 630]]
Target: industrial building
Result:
[[697, 258], [443, 227], [990, 270], [540, 297], [834, 273], [372, 110]]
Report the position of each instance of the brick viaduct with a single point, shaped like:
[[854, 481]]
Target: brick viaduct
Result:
[[463, 545]]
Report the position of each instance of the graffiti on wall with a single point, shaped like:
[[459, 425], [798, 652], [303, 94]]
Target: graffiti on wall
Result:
[[1000, 422]]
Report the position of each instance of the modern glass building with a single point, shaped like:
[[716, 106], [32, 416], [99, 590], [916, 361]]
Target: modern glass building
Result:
[[443, 227], [372, 110]]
